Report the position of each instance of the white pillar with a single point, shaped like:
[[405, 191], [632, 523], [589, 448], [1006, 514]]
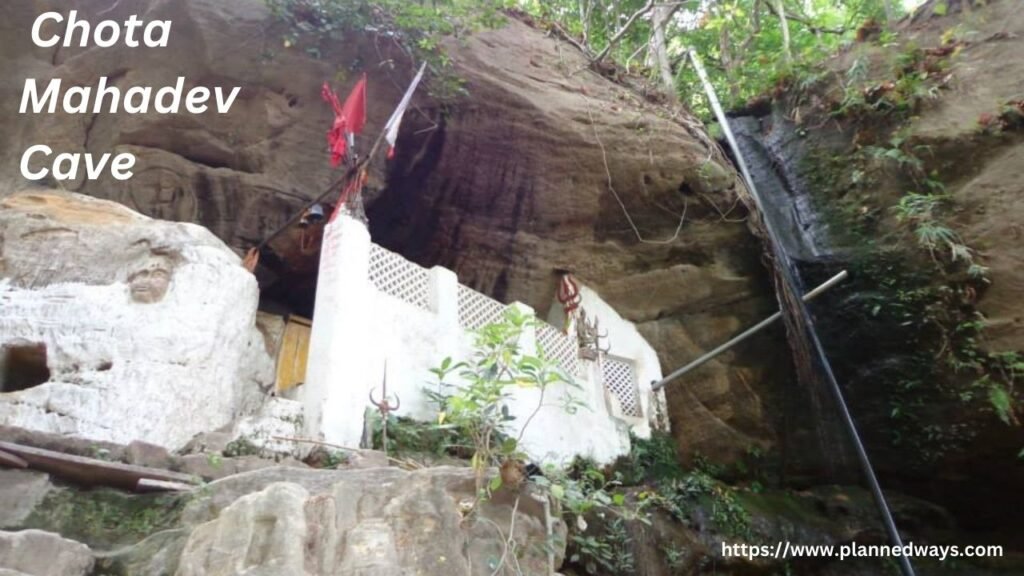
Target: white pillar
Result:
[[338, 369], [444, 302]]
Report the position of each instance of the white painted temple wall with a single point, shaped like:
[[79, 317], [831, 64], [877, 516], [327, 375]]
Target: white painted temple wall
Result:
[[373, 306]]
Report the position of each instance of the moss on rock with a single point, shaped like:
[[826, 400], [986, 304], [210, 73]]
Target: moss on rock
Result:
[[104, 518]]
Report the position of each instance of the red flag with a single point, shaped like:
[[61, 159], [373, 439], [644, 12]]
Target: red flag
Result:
[[348, 119]]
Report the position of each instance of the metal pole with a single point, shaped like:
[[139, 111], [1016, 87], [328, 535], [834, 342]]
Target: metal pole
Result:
[[746, 333], [826, 366]]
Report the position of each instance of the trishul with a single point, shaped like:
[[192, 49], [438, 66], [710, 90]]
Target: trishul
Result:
[[384, 407]]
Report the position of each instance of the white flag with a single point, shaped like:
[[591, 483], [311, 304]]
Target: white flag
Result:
[[396, 117]]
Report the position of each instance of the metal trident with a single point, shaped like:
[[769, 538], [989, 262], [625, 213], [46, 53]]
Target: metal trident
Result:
[[384, 407]]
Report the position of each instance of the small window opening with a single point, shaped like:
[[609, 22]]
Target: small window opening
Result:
[[22, 366]]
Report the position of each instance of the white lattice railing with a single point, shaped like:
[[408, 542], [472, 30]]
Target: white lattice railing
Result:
[[477, 310], [559, 348], [620, 378], [396, 276]]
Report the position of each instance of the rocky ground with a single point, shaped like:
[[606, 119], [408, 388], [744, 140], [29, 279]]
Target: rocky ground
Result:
[[256, 516]]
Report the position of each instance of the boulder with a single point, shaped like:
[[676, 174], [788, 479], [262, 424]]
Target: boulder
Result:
[[139, 329], [156, 555], [145, 454], [362, 522], [20, 492], [39, 553]]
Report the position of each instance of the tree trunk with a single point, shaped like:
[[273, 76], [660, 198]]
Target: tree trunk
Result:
[[725, 50], [659, 51], [784, 22]]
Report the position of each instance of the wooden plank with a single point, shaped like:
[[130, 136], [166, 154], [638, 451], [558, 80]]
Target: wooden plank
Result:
[[292, 354], [12, 461], [149, 485], [91, 471]]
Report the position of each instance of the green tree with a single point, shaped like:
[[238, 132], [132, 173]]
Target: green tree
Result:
[[747, 45]]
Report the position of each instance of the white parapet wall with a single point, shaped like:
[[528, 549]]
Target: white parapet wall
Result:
[[375, 309]]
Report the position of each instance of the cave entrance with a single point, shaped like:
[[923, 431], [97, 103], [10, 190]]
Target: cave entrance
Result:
[[287, 273], [288, 269], [23, 366]]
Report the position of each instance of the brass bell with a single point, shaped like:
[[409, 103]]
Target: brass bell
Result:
[[313, 215]]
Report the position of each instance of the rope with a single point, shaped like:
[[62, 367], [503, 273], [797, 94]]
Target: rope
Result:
[[608, 173], [799, 309]]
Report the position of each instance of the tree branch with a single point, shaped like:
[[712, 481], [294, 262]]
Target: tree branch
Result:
[[801, 20], [755, 13], [622, 31]]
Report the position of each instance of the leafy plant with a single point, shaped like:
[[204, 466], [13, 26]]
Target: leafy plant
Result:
[[1002, 402], [897, 152], [407, 436], [675, 557], [933, 235], [650, 459], [680, 497], [609, 551], [478, 406], [241, 446]]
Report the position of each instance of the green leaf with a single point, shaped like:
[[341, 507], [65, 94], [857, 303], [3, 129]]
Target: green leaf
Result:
[[558, 491], [619, 499], [495, 483], [509, 445], [1001, 401]]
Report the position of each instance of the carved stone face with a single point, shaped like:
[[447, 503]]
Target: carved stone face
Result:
[[149, 283]]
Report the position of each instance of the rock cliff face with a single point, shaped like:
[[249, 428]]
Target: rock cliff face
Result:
[[117, 327], [544, 166], [287, 521], [910, 332]]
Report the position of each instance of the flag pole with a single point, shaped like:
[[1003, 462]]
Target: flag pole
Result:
[[354, 170]]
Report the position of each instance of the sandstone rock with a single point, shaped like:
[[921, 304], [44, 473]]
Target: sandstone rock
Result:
[[976, 475], [156, 555], [367, 459], [119, 369], [262, 532], [20, 492], [360, 522], [277, 418], [211, 465], [146, 454], [215, 441], [38, 553]]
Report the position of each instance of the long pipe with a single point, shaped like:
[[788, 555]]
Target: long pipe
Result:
[[746, 333], [826, 366]]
